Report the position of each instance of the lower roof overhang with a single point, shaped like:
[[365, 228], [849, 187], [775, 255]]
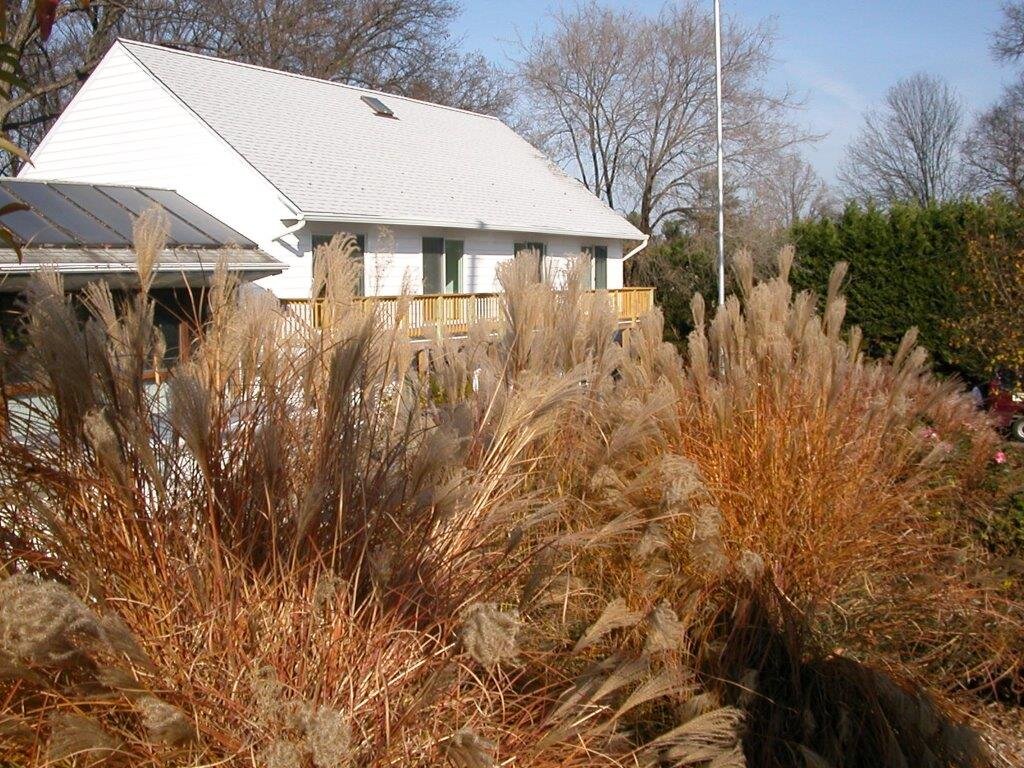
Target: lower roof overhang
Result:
[[176, 268]]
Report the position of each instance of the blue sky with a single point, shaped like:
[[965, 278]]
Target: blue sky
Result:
[[839, 56]]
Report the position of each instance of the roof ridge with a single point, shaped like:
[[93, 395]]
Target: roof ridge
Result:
[[270, 70]]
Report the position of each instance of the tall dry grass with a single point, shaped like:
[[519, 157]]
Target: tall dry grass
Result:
[[552, 549]]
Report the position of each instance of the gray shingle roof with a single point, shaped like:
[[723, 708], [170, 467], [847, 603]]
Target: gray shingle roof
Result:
[[328, 152]]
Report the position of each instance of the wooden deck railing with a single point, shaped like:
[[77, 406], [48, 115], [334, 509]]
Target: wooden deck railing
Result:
[[455, 312]]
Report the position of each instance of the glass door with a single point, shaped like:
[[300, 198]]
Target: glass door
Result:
[[598, 266], [433, 265], [453, 253], [443, 267]]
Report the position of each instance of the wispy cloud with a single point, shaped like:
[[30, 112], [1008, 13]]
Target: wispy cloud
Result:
[[815, 78]]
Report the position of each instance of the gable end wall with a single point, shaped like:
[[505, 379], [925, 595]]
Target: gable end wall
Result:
[[125, 127]]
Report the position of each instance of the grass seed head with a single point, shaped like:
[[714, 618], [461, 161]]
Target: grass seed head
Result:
[[165, 723], [466, 749], [489, 634]]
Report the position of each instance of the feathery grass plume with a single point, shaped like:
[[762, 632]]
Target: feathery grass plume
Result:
[[57, 357], [165, 723], [682, 480], [103, 441], [712, 738], [616, 615], [665, 632], [465, 749], [328, 587], [750, 565], [149, 238], [329, 739], [281, 753], [706, 546], [42, 622], [489, 634], [191, 412], [583, 712], [605, 481], [698, 704], [336, 273], [15, 732], [80, 740], [267, 692], [667, 684], [653, 539]]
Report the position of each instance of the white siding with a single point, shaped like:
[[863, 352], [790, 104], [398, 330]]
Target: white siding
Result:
[[394, 255], [123, 127]]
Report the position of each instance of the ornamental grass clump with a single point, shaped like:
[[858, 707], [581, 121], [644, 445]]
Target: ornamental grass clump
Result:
[[297, 548]]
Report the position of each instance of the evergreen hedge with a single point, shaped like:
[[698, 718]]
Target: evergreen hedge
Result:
[[908, 266]]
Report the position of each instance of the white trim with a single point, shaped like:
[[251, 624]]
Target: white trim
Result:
[[14, 269], [356, 218], [635, 251], [298, 225]]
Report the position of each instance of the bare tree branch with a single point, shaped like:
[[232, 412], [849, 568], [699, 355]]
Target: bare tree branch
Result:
[[1008, 39], [628, 101], [994, 148], [909, 148]]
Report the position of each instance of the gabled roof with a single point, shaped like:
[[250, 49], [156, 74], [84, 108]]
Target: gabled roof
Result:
[[327, 150]]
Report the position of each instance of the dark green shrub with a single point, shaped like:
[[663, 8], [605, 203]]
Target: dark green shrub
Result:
[[908, 267]]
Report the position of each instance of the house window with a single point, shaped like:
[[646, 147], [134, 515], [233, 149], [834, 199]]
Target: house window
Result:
[[359, 289], [443, 265], [598, 266], [541, 249]]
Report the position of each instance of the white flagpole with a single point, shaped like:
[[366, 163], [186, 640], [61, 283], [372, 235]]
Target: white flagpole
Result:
[[721, 185]]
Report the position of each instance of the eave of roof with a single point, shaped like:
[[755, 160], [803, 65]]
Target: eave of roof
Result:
[[120, 260], [484, 226]]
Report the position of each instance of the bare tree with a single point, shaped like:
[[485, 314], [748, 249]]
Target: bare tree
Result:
[[789, 191], [909, 148], [1008, 39], [467, 81], [676, 144], [994, 147], [629, 103], [582, 85]]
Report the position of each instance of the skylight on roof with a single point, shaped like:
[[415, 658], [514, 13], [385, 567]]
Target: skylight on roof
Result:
[[378, 106]]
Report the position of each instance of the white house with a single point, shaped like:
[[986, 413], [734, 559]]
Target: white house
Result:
[[436, 196]]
